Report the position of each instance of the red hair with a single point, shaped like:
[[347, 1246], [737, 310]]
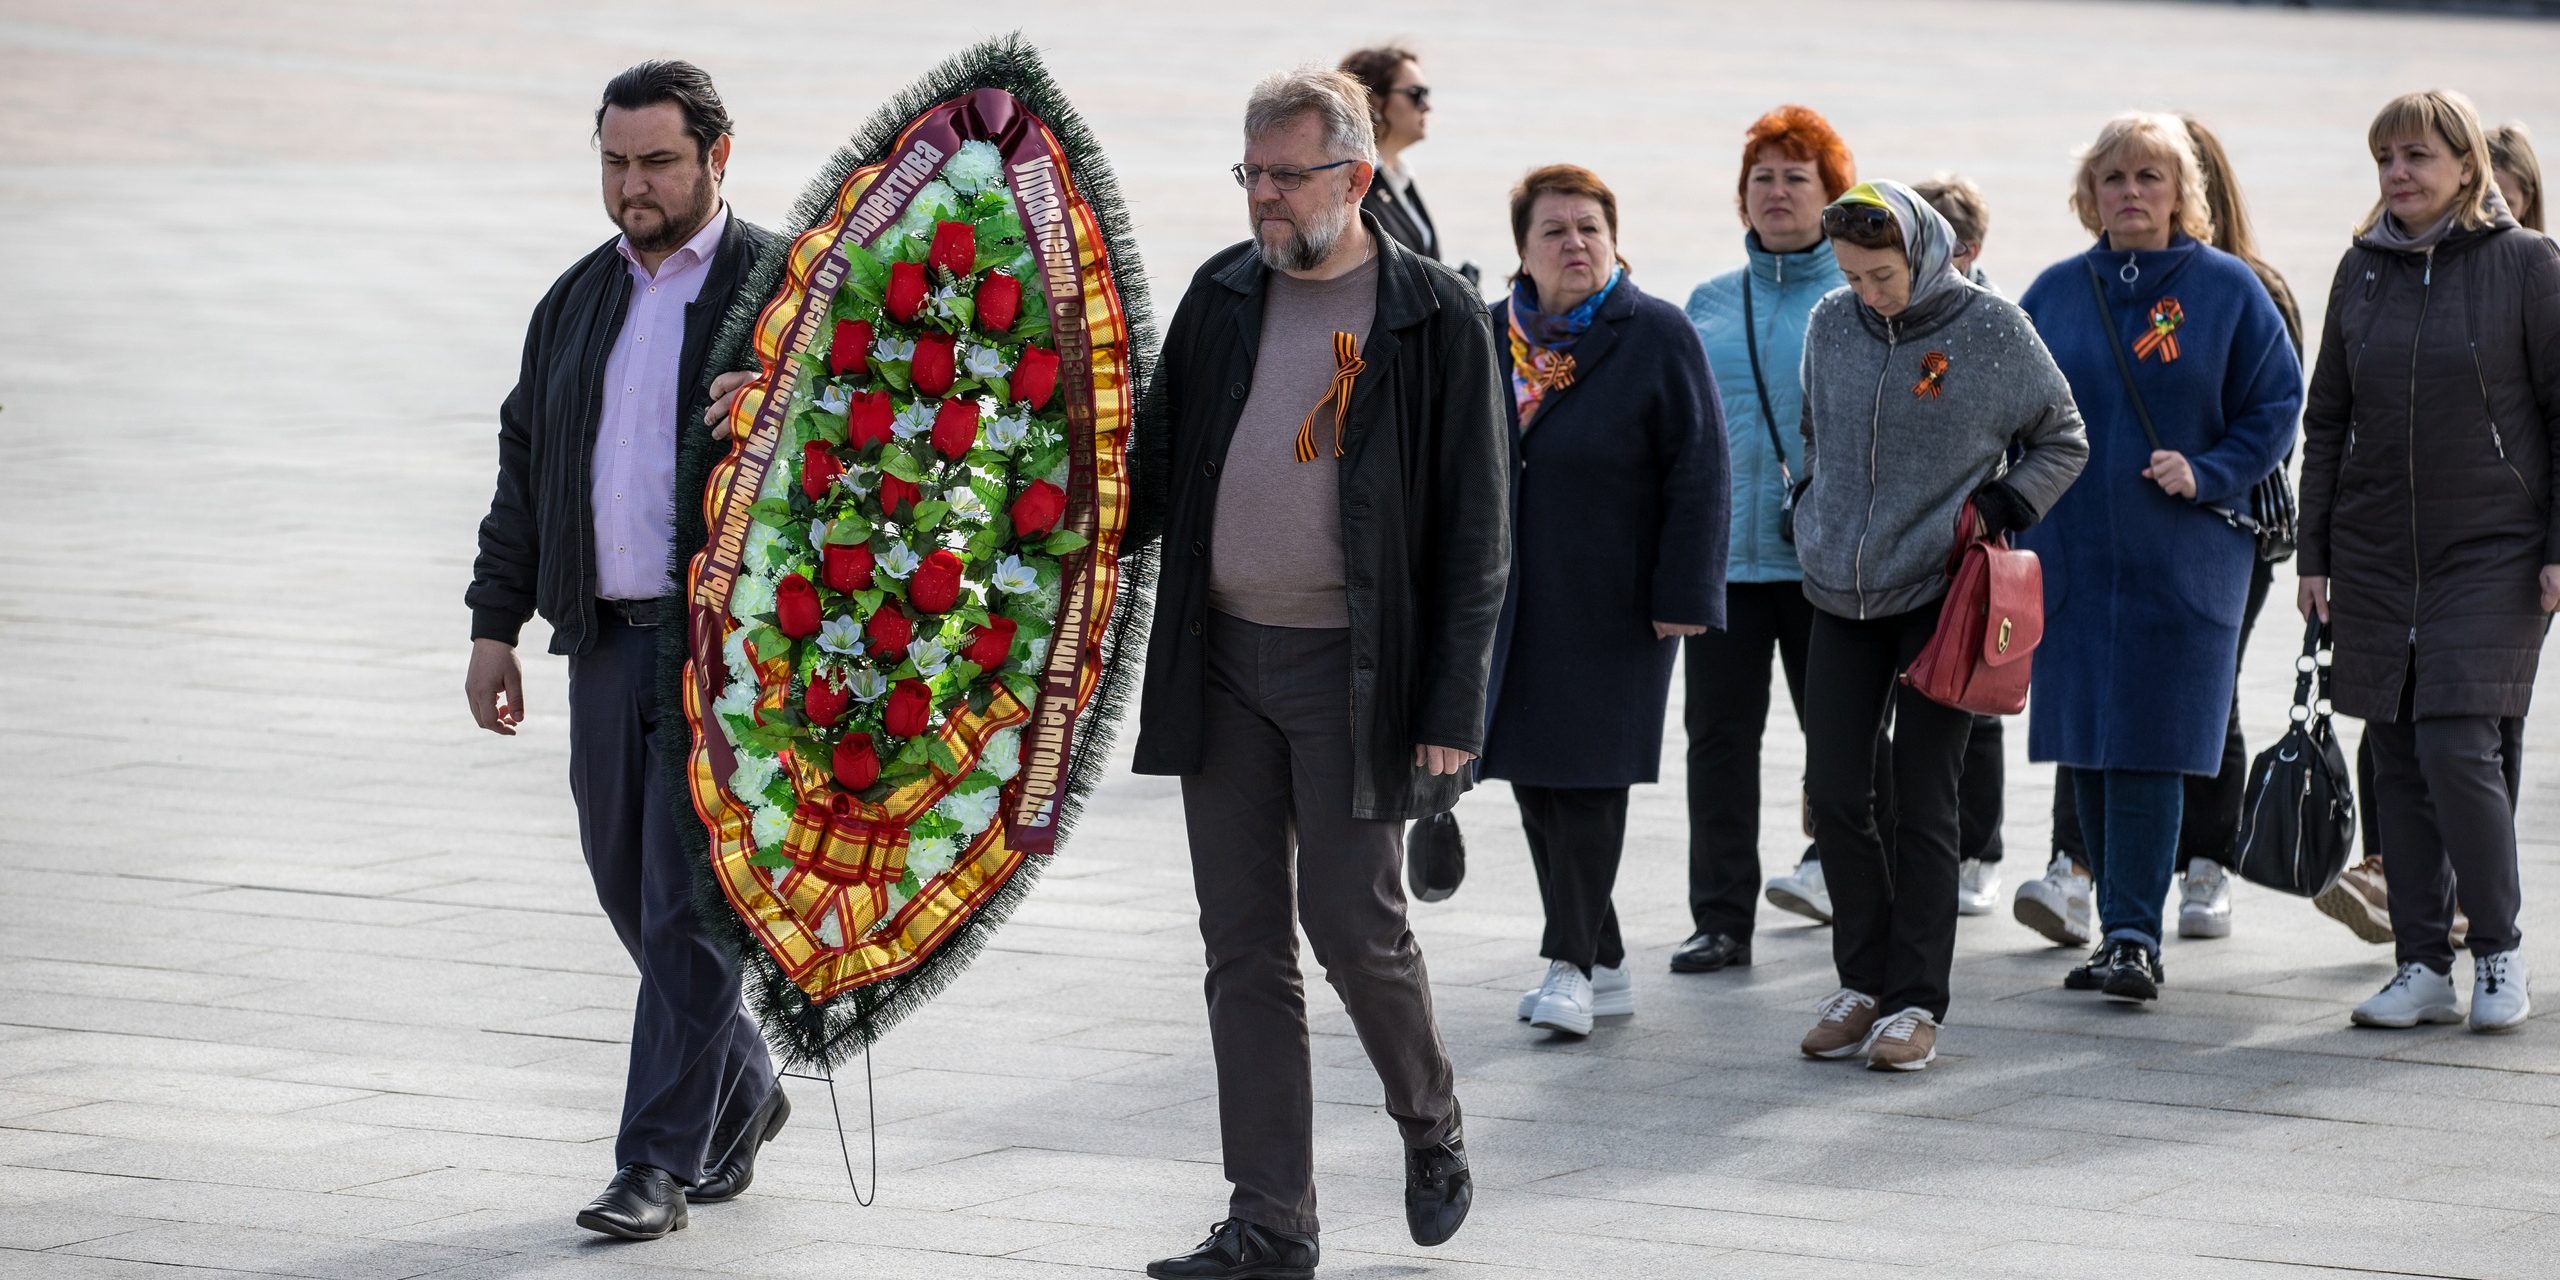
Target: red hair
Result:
[[1799, 133]]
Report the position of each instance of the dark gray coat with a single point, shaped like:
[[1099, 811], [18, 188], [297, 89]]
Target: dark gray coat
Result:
[[1621, 497], [1425, 529], [2428, 470]]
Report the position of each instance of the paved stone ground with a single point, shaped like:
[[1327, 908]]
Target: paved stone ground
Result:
[[299, 974]]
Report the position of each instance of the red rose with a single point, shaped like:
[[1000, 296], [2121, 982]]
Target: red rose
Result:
[[891, 631], [851, 350], [955, 428], [932, 369], [818, 469], [1039, 509], [910, 707], [936, 584], [955, 248], [845, 568], [825, 702], [795, 606], [1035, 377], [857, 765], [896, 493], [991, 646], [999, 302], [906, 290], [867, 419]]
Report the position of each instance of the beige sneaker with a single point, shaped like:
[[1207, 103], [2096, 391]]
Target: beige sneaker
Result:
[[2361, 900], [1847, 1016], [1907, 1041]]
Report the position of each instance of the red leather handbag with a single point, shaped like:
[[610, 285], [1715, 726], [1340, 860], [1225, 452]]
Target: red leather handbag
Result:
[[1979, 658]]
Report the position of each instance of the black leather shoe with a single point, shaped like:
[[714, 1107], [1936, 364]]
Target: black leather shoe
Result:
[[2133, 972], [1437, 1188], [1241, 1250], [1707, 951], [729, 1175], [2089, 974], [641, 1203]]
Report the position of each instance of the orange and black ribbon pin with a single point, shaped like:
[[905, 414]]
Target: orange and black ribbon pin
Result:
[[1933, 376], [1347, 365], [2166, 316]]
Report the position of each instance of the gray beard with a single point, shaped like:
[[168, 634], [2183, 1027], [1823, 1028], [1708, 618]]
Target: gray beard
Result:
[[1307, 246]]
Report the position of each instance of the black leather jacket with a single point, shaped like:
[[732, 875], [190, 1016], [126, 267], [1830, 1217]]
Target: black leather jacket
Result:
[[1425, 518], [537, 544]]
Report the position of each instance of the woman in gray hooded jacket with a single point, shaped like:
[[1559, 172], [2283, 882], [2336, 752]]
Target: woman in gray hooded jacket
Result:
[[1919, 385]]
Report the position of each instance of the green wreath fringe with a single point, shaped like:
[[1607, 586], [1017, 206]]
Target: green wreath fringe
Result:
[[805, 1034]]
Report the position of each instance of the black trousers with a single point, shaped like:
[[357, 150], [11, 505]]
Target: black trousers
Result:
[[697, 1061], [2368, 814], [1274, 848], [1893, 899], [1576, 835], [2446, 800], [1980, 800], [1726, 713], [2210, 828]]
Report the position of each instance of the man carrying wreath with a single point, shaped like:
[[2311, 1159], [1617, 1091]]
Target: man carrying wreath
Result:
[[581, 530], [1323, 453]]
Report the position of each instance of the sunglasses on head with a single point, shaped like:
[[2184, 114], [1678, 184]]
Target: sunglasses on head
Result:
[[1862, 224]]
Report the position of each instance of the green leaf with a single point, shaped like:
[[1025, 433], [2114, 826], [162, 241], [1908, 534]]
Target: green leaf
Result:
[[1023, 685], [964, 310], [767, 644], [817, 754], [902, 464], [813, 367], [940, 753], [963, 674], [850, 529], [1065, 541], [928, 515], [975, 783], [916, 753], [829, 427], [980, 698], [770, 860], [896, 374], [1000, 389], [772, 511], [865, 277], [1033, 325], [869, 599]]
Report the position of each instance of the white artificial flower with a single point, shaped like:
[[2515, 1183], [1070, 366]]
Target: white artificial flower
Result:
[[752, 595], [753, 775], [818, 534], [1003, 754], [835, 399], [898, 561], [734, 650], [867, 685], [857, 481], [974, 168], [965, 502], [983, 362], [930, 658], [1013, 577], [914, 420], [841, 635], [764, 543], [972, 812], [777, 481], [1008, 431], [1039, 655], [1058, 474], [739, 699], [931, 856], [831, 929], [887, 349], [771, 824]]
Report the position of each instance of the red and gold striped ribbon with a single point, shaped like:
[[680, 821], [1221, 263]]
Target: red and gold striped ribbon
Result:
[[1347, 365]]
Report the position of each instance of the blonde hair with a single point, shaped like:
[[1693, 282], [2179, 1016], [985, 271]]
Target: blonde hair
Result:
[[2150, 133], [2511, 149], [2445, 114], [1958, 200]]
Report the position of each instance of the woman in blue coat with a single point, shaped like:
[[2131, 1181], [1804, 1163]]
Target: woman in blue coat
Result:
[[2146, 579], [1619, 510]]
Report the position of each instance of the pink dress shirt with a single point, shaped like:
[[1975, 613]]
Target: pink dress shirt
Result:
[[633, 478]]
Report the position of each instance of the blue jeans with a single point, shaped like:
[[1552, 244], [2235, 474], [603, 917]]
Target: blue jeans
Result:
[[2132, 848]]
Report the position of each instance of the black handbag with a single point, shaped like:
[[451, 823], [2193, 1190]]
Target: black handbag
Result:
[[1435, 857], [1788, 489], [2298, 820], [2271, 518]]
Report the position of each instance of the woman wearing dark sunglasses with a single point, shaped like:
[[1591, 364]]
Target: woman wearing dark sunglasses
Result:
[[1400, 102], [1918, 384]]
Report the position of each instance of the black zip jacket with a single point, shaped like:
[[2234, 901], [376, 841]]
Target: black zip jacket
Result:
[[537, 544], [1425, 518]]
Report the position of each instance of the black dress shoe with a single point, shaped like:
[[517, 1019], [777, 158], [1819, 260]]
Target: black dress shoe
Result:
[[1707, 951], [1241, 1250], [1437, 1188], [728, 1176], [2089, 974], [2133, 972], [641, 1203]]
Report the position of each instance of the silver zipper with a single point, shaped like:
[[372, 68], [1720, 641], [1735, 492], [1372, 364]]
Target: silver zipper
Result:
[[2497, 440], [2417, 331], [1875, 442]]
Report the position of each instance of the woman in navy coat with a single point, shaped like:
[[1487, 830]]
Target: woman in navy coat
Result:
[[2146, 577], [1620, 501]]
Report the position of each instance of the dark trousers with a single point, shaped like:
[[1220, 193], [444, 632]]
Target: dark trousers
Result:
[[1575, 837], [1273, 790], [697, 1062], [2209, 826], [1726, 712], [2369, 820], [2132, 846], [1980, 804], [1893, 900], [2447, 809]]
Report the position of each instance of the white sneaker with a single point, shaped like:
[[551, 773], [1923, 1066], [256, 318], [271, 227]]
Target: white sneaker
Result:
[[2204, 905], [2500, 999], [1565, 1005], [1802, 891], [1977, 887], [2415, 994], [2056, 904], [1613, 992]]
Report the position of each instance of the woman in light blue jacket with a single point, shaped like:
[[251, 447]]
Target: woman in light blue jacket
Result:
[[1753, 322]]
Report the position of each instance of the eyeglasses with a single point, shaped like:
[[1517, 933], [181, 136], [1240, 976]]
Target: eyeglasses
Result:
[[1420, 94], [1285, 177], [1870, 225]]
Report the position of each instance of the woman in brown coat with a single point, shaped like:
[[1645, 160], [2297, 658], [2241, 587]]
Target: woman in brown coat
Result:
[[2429, 538]]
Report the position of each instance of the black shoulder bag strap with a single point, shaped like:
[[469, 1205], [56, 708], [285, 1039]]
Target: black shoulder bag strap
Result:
[[2124, 370], [1768, 418]]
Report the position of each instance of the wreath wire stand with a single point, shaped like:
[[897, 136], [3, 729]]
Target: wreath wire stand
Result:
[[871, 1105]]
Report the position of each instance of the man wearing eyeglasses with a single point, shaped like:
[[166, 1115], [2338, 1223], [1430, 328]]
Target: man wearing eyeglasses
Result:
[[1323, 454]]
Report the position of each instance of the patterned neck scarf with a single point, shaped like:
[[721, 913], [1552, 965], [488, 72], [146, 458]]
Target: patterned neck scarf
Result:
[[1542, 345]]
